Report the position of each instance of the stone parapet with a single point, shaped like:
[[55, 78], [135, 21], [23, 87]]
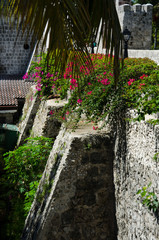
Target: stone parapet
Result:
[[151, 54]]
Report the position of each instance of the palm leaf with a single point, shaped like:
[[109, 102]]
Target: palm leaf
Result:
[[71, 25]]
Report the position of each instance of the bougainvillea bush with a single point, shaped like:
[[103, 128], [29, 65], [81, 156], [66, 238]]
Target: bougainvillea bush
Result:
[[92, 90]]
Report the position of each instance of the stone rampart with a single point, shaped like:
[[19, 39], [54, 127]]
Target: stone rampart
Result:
[[29, 112], [88, 189], [134, 168], [79, 201]]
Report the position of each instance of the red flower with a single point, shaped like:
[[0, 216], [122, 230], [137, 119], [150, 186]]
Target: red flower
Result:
[[79, 100], [143, 76], [105, 82], [131, 81]]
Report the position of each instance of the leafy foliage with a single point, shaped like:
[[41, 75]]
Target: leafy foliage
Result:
[[95, 94], [23, 169], [149, 199]]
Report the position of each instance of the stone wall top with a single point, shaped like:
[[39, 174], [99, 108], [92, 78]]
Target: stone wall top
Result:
[[136, 8]]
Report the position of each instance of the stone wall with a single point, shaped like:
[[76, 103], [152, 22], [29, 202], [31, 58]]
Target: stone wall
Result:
[[79, 201], [30, 109], [45, 124], [138, 20], [134, 168], [15, 49], [38, 118], [88, 189], [121, 2], [151, 54]]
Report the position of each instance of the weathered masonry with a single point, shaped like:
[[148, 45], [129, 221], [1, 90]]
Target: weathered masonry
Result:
[[138, 20], [15, 49], [88, 189]]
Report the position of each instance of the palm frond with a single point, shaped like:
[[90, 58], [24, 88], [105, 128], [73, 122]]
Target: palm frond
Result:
[[71, 25]]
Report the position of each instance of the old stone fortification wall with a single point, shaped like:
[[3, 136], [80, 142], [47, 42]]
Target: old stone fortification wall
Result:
[[134, 168], [133, 53], [15, 49], [138, 20], [79, 202], [88, 189], [29, 112], [45, 124], [152, 54]]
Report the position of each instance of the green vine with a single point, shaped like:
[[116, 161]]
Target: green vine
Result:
[[149, 198]]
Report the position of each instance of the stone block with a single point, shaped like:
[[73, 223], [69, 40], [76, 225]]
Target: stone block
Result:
[[148, 8], [125, 8], [137, 7]]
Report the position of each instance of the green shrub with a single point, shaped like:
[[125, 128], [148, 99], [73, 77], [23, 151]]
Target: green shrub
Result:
[[23, 169], [149, 198]]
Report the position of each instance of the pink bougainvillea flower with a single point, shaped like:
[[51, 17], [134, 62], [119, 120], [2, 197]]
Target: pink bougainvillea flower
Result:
[[95, 128], [53, 86], [38, 68], [143, 76], [89, 83], [48, 75], [79, 100], [105, 82], [71, 87], [111, 74], [131, 81], [51, 112], [25, 76], [81, 68], [37, 74], [67, 112], [38, 89], [65, 76], [140, 85], [104, 73], [89, 93], [73, 81]]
